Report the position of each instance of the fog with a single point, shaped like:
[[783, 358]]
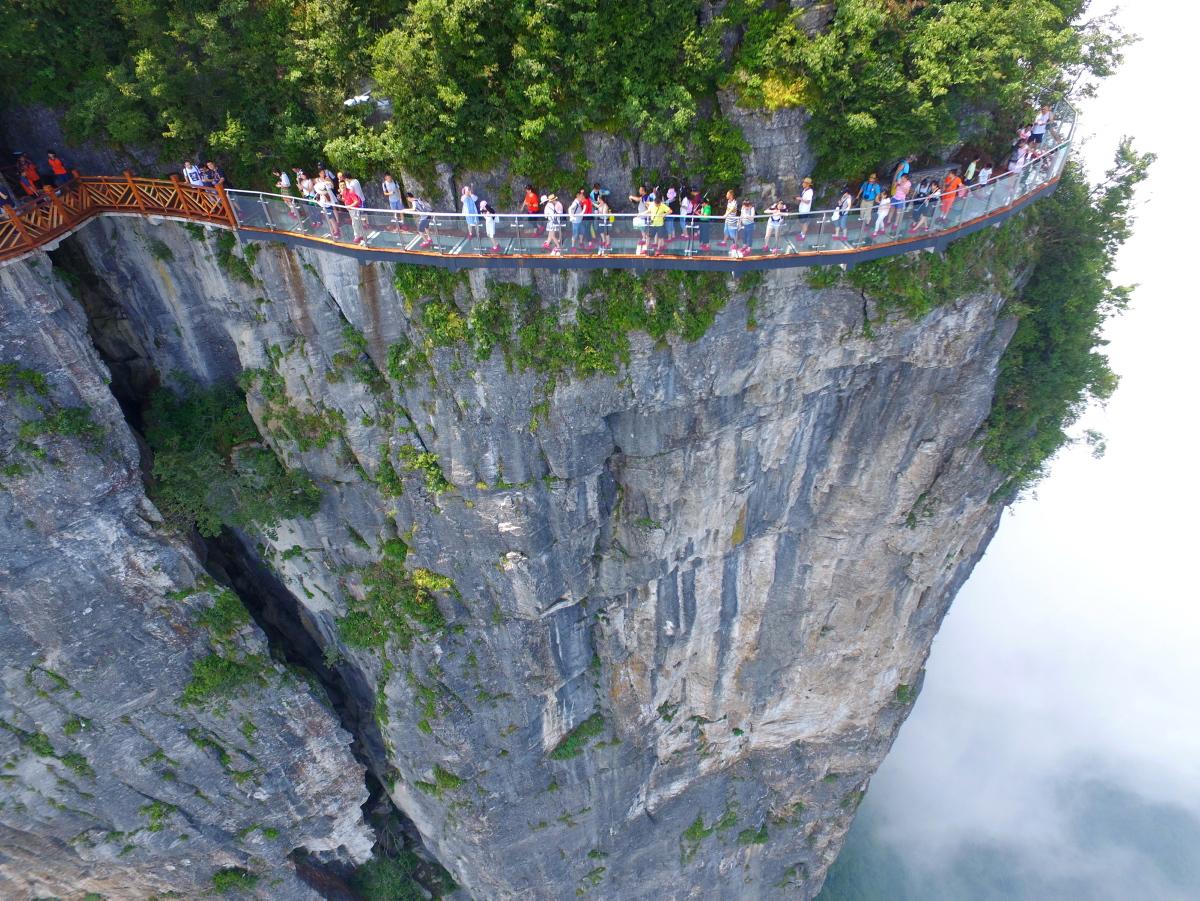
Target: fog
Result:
[[1055, 749]]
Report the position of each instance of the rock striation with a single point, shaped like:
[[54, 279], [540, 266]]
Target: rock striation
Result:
[[686, 606]]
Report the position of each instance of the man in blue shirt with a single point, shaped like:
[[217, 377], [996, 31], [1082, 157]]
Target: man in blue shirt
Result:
[[868, 193]]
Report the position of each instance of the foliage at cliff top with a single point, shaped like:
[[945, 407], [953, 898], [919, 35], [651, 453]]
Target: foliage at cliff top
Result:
[[892, 77], [477, 82], [210, 469]]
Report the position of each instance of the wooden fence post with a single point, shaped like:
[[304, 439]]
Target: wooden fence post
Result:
[[133, 190], [184, 206], [20, 227], [55, 202], [227, 206]]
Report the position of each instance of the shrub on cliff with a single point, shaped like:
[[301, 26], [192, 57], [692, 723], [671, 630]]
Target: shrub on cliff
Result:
[[210, 469], [1053, 367]]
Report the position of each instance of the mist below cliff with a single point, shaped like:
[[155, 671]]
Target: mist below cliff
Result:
[[1055, 750]]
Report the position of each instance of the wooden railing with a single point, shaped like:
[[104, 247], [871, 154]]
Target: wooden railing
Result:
[[57, 212]]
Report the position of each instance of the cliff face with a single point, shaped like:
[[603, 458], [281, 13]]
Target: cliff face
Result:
[[690, 602], [108, 783]]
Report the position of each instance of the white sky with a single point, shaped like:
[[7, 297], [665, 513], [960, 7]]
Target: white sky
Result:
[[1078, 637]]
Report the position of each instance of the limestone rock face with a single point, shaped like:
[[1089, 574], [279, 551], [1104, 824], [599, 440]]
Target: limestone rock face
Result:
[[691, 602], [108, 783]]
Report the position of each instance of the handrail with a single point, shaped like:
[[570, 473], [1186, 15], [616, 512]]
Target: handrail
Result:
[[463, 240]]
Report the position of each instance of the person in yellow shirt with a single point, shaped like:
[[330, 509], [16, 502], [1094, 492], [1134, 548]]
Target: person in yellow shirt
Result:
[[659, 211]]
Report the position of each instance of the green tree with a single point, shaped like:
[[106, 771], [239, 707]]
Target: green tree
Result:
[[1053, 366]]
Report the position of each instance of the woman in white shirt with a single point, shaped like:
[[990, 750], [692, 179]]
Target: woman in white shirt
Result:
[[804, 201]]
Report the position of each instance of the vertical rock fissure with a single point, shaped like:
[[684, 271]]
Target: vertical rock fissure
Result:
[[232, 560]]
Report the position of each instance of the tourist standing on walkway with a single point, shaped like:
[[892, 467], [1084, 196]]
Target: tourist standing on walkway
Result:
[[970, 173], [706, 216], [58, 169], [659, 212], [604, 222], [841, 214], [353, 200], [1038, 133], [580, 207], [868, 193], [951, 186], [731, 220], [216, 176], [773, 240], [191, 174], [746, 222], [687, 216], [553, 211], [489, 225], [927, 197], [470, 208], [283, 183], [903, 168], [391, 193], [422, 209], [533, 206], [881, 214], [900, 197], [804, 202], [327, 200]]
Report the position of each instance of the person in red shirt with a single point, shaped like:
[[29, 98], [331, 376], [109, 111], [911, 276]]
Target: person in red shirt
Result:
[[532, 204], [59, 168], [951, 187]]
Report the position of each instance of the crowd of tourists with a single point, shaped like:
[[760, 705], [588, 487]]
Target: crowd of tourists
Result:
[[584, 222]]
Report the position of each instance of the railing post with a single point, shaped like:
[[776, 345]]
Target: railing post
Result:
[[133, 190], [20, 227], [56, 202], [179, 193], [226, 206]]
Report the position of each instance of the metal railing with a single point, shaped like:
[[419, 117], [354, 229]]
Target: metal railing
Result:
[[465, 240]]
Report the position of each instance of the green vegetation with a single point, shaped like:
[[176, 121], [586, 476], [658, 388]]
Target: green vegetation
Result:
[[210, 469], [235, 266], [75, 725], [24, 385], [216, 677], [234, 879], [536, 336], [425, 462], [757, 836], [309, 430], [577, 739], [1052, 368], [905, 694], [227, 615], [156, 812], [1054, 263], [397, 604], [64, 422], [354, 362], [887, 79], [443, 781], [400, 878]]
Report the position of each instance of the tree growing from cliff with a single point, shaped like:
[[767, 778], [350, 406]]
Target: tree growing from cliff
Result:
[[211, 469], [1054, 366]]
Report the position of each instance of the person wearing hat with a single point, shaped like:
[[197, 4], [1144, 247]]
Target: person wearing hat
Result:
[[804, 202], [553, 212]]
